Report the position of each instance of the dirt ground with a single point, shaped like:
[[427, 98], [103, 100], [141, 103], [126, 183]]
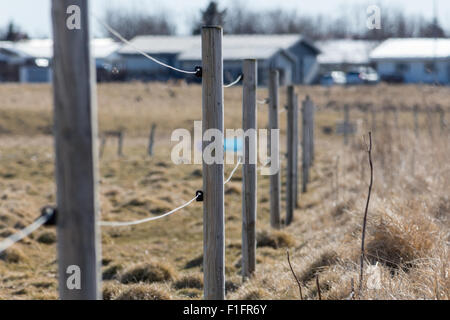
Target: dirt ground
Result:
[[407, 242]]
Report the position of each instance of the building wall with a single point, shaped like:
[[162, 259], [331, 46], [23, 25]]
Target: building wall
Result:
[[416, 71], [139, 67], [306, 67], [233, 68], [33, 74]]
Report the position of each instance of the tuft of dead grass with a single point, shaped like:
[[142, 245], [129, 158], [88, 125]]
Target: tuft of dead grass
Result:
[[275, 239], [13, 255], [194, 281], [148, 272]]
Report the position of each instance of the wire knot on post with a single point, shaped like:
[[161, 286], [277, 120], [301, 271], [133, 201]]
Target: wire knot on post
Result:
[[198, 72], [50, 213], [199, 195]]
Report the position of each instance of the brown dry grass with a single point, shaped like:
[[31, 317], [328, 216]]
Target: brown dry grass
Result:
[[408, 229]]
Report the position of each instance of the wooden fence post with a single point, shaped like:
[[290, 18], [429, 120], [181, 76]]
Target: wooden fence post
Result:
[[416, 120], [151, 140], [120, 143], [292, 120], [296, 141], [249, 176], [75, 118], [275, 182], [213, 174], [346, 123], [374, 119], [312, 123], [442, 119], [305, 143]]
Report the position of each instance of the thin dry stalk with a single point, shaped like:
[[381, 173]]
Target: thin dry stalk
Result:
[[293, 273], [369, 151], [318, 287]]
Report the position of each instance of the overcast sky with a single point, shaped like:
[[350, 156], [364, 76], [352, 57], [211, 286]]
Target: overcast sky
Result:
[[34, 15]]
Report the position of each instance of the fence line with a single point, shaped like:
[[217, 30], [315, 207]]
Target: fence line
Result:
[[121, 38], [39, 222], [234, 170], [135, 222], [239, 78]]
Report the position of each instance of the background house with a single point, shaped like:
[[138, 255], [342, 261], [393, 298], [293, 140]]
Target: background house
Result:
[[30, 60], [344, 55], [292, 55], [414, 60]]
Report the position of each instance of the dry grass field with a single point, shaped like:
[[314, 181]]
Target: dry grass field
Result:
[[407, 240]]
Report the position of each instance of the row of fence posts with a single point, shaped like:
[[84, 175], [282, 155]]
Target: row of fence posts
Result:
[[77, 176]]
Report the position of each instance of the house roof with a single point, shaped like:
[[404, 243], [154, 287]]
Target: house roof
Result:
[[235, 47], [43, 48], [345, 51], [411, 49]]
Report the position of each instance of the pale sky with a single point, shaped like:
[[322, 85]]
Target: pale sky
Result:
[[33, 16]]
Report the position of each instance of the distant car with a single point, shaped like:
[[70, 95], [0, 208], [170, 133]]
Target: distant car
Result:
[[362, 75], [334, 77]]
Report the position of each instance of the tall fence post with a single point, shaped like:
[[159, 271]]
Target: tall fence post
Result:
[[213, 172], [305, 142], [151, 140], [346, 123], [374, 119], [275, 182], [416, 120], [75, 118], [442, 119], [120, 143], [311, 135], [296, 141], [291, 146], [249, 177]]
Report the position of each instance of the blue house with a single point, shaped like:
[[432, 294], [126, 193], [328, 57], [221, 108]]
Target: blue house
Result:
[[294, 56], [413, 60]]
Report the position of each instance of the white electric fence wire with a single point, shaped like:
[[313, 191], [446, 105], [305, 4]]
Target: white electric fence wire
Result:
[[8, 242], [234, 170], [265, 101], [121, 38], [234, 82], [131, 223]]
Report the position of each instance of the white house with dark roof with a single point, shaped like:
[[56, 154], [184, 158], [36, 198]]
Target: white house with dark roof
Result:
[[344, 54], [294, 56], [30, 60], [413, 60]]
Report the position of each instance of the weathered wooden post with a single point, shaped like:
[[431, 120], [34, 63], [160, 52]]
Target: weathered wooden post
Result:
[[346, 123], [151, 140], [374, 118], [296, 141], [249, 176], [305, 143], [416, 120], [120, 143], [442, 119], [275, 182], [213, 172], [311, 135], [292, 120], [75, 118]]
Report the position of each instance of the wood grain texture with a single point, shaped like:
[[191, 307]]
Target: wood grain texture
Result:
[[213, 174], [306, 140], [291, 146], [249, 174], [275, 182], [75, 117]]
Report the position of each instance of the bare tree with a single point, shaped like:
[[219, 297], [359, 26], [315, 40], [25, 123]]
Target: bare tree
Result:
[[131, 23], [210, 16], [12, 33]]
